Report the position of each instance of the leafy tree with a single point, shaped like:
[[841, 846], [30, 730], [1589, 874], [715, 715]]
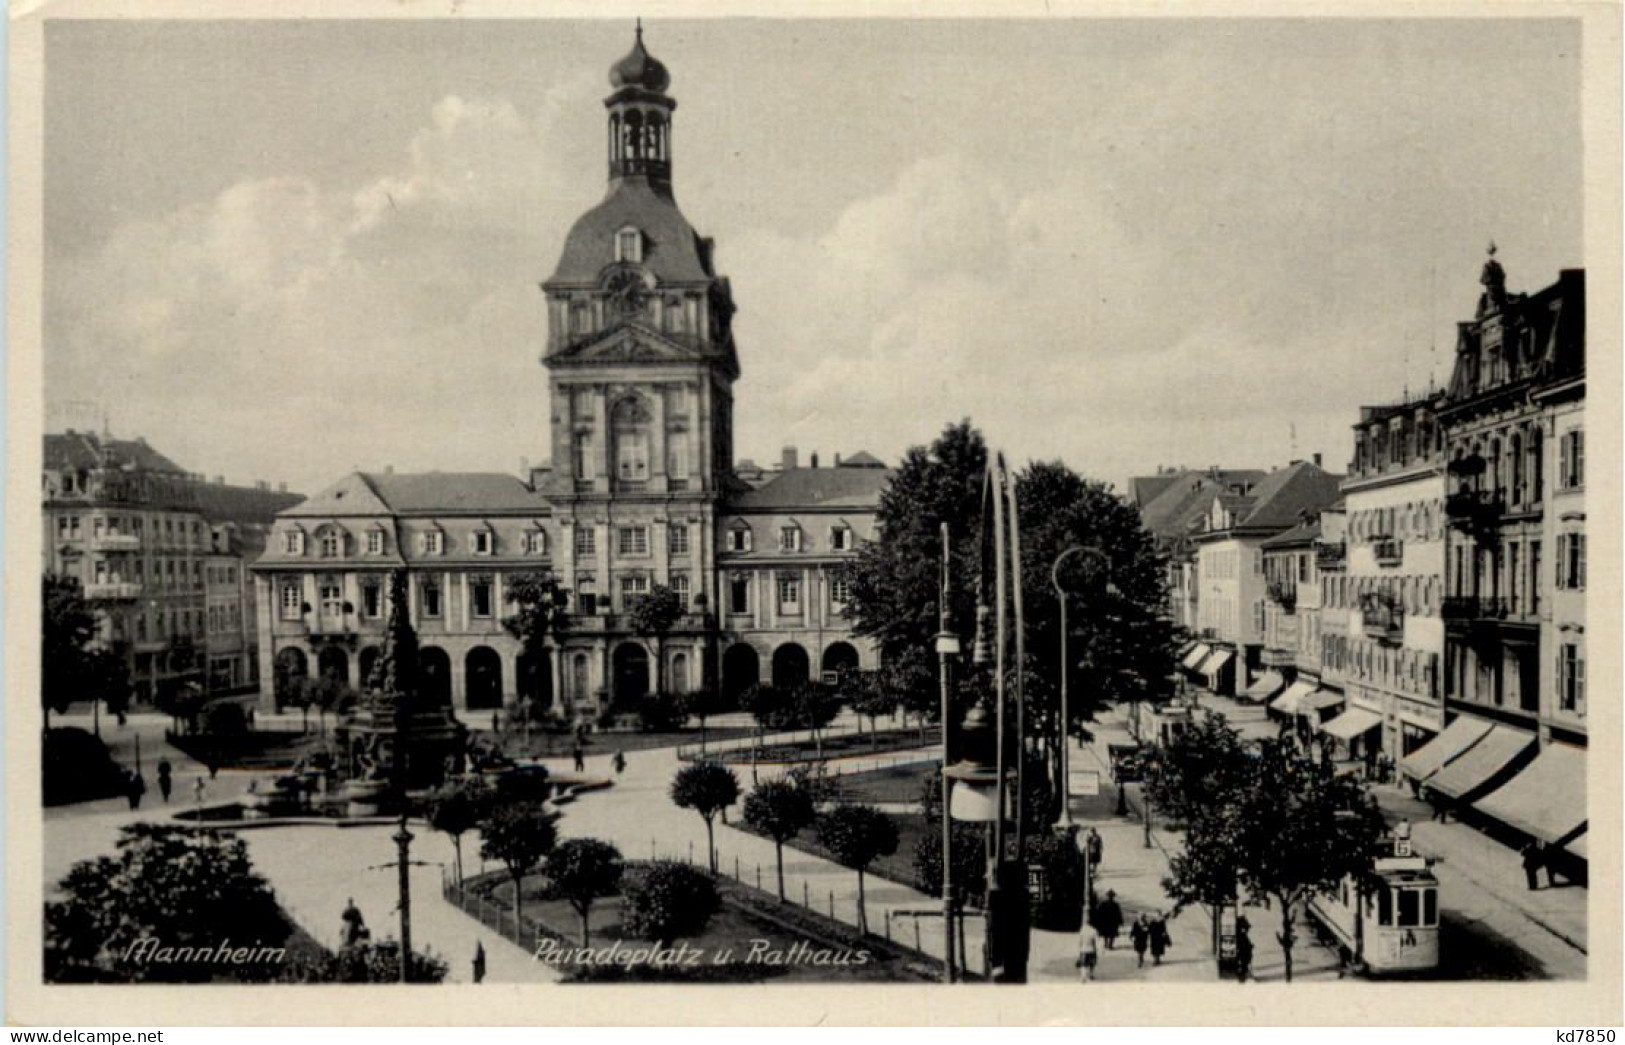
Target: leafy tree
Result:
[[68, 631], [457, 808], [224, 718], [1284, 829], [182, 887], [702, 703], [666, 900], [1204, 765], [542, 610], [582, 870], [813, 706], [183, 702], [780, 810], [107, 678], [519, 837], [661, 712], [909, 678], [855, 836], [867, 695], [654, 615], [707, 788]]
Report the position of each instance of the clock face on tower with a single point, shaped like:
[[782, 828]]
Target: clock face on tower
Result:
[[627, 292]]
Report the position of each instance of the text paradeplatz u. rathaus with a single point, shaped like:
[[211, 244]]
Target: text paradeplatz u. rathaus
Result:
[[641, 490]]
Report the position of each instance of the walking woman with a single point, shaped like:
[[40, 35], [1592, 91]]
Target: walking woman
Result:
[[1139, 934], [1159, 938]]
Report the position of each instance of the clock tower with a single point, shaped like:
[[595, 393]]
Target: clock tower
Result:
[[641, 364]]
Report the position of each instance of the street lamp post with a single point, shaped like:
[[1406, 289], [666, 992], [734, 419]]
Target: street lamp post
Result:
[[1066, 721], [947, 648]]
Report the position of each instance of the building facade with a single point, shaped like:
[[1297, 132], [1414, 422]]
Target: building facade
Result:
[[640, 490], [1515, 548], [142, 536]]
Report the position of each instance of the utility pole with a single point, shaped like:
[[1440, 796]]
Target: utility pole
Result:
[[403, 840]]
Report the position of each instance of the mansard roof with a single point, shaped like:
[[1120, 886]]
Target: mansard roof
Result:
[[793, 488]]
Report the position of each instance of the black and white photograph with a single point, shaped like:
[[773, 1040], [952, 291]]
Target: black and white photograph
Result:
[[575, 504]]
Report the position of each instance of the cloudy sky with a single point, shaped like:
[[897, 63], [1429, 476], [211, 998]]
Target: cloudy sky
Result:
[[280, 250]]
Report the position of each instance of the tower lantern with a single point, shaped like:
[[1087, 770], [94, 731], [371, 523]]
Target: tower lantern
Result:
[[640, 117]]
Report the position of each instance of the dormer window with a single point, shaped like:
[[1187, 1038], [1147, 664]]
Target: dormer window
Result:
[[375, 542], [484, 542], [629, 246], [536, 542], [332, 544], [789, 538], [434, 543], [840, 538], [293, 542], [739, 539]]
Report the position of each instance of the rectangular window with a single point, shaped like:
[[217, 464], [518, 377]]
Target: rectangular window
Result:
[[739, 539], [330, 545], [480, 596], [1410, 907], [1536, 588], [332, 599], [536, 542], [1571, 568], [291, 602], [434, 543], [677, 540], [633, 540], [1570, 678], [633, 589], [431, 599], [739, 593], [632, 457], [1571, 459], [840, 539], [680, 588], [790, 539], [293, 543], [372, 599], [375, 542], [676, 456], [586, 542], [789, 593], [587, 594], [840, 589], [484, 541]]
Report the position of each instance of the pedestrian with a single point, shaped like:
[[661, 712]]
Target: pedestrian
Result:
[[619, 762], [1441, 811], [1532, 859], [198, 787], [1088, 952], [137, 788], [214, 766], [355, 927], [1109, 919], [1159, 939], [580, 755], [1244, 949], [1097, 849], [165, 782], [479, 961], [1139, 934]]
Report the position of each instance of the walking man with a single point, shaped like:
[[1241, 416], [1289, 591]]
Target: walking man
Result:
[[165, 783], [619, 762], [1244, 949], [1097, 848], [580, 756], [1160, 940], [1109, 919], [1139, 934]]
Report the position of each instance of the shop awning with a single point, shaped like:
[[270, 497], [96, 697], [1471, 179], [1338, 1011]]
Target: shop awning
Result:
[[1482, 761], [1352, 723], [1264, 686], [1197, 654], [1578, 846], [1433, 756], [1319, 700], [1216, 661], [1287, 703], [1546, 799]]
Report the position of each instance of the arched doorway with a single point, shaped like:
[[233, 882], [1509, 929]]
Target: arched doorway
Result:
[[482, 679], [535, 681], [290, 665], [839, 657], [631, 665], [434, 675], [741, 669], [677, 674], [366, 661], [790, 666], [333, 666]]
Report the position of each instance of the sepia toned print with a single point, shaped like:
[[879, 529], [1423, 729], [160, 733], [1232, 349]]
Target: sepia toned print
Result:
[[1086, 504]]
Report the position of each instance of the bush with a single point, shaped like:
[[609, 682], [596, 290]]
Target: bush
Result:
[[77, 768], [661, 712], [666, 900], [225, 719], [367, 963], [523, 784], [1061, 864]]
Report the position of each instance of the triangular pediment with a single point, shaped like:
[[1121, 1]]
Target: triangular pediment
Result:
[[628, 344]]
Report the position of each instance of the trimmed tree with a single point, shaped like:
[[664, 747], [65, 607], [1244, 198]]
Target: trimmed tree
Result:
[[855, 835], [582, 870], [707, 788], [702, 703], [868, 696], [456, 809], [68, 628], [666, 900], [653, 616], [519, 837], [780, 810]]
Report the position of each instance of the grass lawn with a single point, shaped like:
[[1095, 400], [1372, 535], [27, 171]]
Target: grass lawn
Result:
[[837, 745], [560, 745], [749, 922], [904, 783], [899, 867]]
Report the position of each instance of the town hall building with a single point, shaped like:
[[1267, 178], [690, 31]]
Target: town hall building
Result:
[[641, 489]]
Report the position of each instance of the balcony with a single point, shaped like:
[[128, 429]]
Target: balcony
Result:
[[113, 591], [1388, 551], [1284, 594], [1473, 510], [1385, 624], [331, 629], [1473, 607], [116, 542], [1330, 556]]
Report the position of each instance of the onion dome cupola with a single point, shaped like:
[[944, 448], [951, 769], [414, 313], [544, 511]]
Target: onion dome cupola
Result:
[[640, 117]]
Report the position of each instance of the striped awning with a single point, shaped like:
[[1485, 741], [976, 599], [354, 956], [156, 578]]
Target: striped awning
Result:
[[1481, 762], [1352, 723], [1433, 756], [1216, 661], [1546, 800], [1264, 686], [1287, 703], [1318, 701], [1197, 654]]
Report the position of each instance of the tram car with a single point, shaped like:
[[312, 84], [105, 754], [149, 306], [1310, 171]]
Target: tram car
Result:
[[1387, 925]]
